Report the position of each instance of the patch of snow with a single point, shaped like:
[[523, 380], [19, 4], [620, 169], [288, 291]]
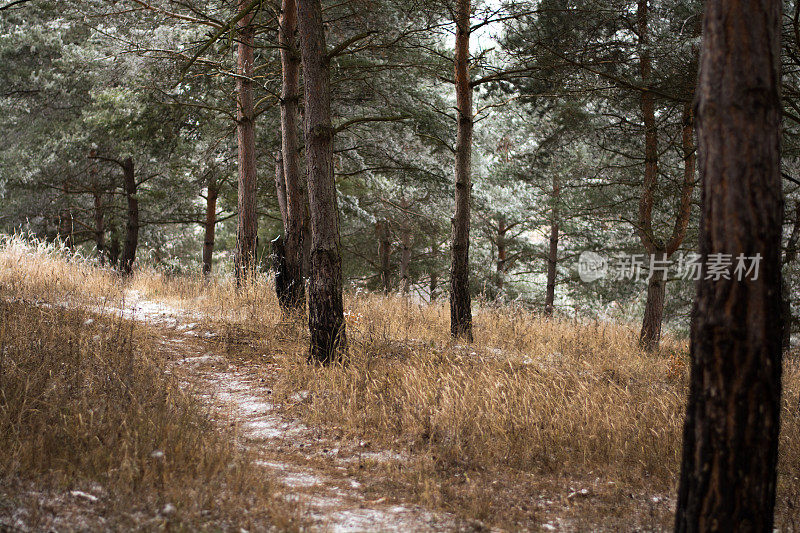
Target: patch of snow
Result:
[[83, 495]]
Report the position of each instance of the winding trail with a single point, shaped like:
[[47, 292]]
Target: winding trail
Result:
[[314, 469]]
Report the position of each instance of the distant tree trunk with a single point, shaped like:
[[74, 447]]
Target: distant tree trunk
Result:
[[501, 253], [433, 286], [132, 224], [114, 250], [66, 228], [245, 259], [385, 252], [650, 335], [405, 248], [290, 97], [460, 300], [99, 210], [210, 226], [654, 305], [789, 257], [326, 312], [99, 225], [552, 253], [730, 441]]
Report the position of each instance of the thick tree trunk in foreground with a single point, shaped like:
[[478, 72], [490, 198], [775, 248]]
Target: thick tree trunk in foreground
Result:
[[245, 259], [325, 306], [460, 300], [730, 442], [290, 97], [132, 224], [385, 254], [552, 253], [210, 226]]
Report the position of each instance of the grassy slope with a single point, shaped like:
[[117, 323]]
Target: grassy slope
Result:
[[510, 430]]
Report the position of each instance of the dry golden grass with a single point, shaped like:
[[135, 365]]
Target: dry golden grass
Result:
[[88, 403], [509, 429]]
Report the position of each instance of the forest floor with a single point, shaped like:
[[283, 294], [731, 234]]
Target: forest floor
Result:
[[538, 426]]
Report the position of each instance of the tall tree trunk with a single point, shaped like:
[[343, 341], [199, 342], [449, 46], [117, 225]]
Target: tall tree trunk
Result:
[[730, 441], [654, 305], [210, 226], [501, 254], [460, 300], [290, 97], [385, 252], [132, 224], [325, 306], [245, 259], [650, 336], [552, 253]]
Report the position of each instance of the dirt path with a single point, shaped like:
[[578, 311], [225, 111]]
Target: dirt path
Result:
[[314, 469]]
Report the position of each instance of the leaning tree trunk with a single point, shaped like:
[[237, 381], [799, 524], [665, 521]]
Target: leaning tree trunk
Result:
[[245, 258], [552, 252], [460, 301], [210, 226], [730, 441], [325, 306], [132, 224], [290, 97]]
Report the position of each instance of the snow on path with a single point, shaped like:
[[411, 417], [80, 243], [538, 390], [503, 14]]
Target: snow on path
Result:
[[335, 502]]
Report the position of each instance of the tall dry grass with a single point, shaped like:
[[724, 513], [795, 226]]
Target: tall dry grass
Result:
[[528, 414], [88, 402]]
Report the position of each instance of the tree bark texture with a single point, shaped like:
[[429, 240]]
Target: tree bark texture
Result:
[[730, 442], [325, 306], [460, 299], [290, 97], [245, 257], [132, 224]]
